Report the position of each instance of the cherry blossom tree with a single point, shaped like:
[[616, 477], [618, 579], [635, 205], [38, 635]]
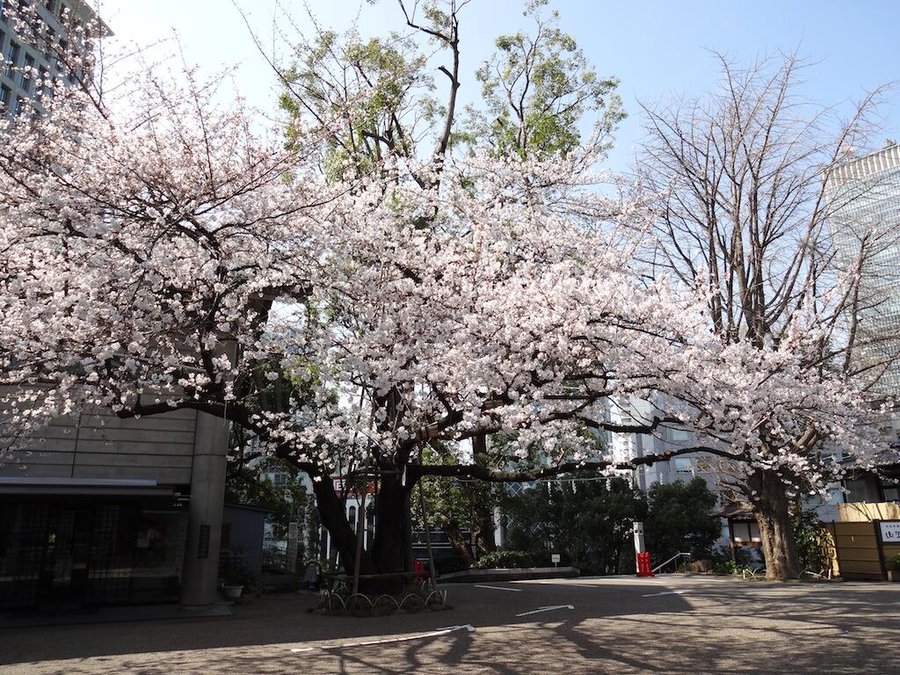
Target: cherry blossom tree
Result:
[[167, 254]]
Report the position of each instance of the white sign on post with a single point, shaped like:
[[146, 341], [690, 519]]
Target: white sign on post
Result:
[[890, 531], [638, 537], [554, 558]]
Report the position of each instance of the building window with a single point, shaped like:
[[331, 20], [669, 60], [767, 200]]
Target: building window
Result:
[[742, 532], [52, 6], [49, 42], [678, 434], [46, 86], [12, 57], [683, 466], [26, 75], [5, 98], [754, 532]]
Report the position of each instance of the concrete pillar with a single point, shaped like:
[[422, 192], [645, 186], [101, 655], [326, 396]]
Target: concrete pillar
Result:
[[201, 558]]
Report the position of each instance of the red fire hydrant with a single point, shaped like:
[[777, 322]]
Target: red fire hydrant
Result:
[[643, 565]]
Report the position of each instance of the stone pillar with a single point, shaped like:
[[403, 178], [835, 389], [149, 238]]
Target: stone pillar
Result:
[[201, 558]]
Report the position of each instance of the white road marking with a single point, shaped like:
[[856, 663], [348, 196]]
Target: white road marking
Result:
[[548, 608], [653, 595], [498, 588], [405, 638]]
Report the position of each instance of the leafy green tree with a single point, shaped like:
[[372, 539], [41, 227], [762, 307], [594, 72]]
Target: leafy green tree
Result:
[[588, 522], [460, 508], [287, 501], [537, 89], [680, 519]]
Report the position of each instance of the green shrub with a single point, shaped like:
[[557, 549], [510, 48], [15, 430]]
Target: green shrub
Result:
[[812, 540], [727, 567], [893, 563], [504, 559]]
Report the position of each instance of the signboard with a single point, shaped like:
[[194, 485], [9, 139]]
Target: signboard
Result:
[[344, 490], [890, 531], [293, 533], [554, 558], [203, 546]]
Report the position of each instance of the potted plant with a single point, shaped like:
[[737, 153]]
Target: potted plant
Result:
[[236, 577], [893, 568]]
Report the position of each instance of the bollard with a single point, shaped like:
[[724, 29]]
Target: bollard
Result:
[[643, 565]]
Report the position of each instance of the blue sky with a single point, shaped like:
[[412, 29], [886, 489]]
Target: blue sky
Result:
[[657, 48]]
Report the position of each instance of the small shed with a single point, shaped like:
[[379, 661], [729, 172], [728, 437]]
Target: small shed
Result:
[[867, 536], [242, 535]]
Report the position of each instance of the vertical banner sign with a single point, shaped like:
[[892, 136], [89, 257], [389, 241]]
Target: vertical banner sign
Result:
[[292, 536], [203, 548]]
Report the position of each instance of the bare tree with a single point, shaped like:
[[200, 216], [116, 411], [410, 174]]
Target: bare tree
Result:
[[746, 210]]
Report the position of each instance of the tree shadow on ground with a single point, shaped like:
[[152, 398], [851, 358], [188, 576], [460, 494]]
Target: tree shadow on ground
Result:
[[622, 627]]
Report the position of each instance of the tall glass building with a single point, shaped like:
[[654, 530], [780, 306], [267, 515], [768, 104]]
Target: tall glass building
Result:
[[864, 215]]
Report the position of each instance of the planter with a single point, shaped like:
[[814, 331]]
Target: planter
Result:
[[232, 592], [893, 575]]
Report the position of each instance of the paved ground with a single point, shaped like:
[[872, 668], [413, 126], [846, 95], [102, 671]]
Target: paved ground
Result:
[[622, 625]]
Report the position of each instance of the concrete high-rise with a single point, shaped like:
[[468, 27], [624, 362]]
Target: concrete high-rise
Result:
[[95, 509], [35, 55]]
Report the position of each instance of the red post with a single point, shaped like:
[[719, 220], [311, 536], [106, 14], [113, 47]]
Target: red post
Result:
[[643, 565]]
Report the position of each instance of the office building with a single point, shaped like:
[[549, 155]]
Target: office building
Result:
[[95, 509], [35, 55], [864, 217]]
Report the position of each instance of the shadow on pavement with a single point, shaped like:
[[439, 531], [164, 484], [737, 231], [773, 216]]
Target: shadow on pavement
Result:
[[670, 625]]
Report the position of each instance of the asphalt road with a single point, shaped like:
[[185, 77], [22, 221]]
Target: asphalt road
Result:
[[589, 625]]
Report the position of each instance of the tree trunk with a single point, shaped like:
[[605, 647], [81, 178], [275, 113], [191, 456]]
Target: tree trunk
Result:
[[483, 529], [331, 513], [391, 551], [459, 543], [771, 507]]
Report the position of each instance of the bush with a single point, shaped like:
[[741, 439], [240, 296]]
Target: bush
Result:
[[727, 567], [893, 563], [233, 569], [813, 541], [745, 560], [504, 559]]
